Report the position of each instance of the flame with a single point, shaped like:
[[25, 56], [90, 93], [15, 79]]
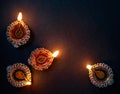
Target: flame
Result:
[[28, 83], [19, 16], [89, 67], [55, 54]]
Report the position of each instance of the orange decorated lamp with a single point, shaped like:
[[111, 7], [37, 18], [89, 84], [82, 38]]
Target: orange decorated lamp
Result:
[[100, 74], [41, 58], [18, 32], [19, 75]]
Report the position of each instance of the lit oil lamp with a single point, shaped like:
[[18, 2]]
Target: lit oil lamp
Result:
[[19, 75], [100, 74], [18, 32], [41, 58]]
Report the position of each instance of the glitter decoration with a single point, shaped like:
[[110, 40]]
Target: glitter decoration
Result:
[[18, 33], [18, 75], [101, 75], [40, 59]]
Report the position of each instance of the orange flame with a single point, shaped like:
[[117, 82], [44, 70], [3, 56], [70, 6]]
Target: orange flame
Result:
[[19, 16], [55, 54], [28, 83], [89, 67]]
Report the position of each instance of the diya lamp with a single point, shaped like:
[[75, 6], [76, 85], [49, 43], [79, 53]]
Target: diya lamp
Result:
[[41, 58], [100, 74], [18, 32], [19, 75]]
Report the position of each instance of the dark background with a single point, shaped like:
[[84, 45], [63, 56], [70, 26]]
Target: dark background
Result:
[[83, 30]]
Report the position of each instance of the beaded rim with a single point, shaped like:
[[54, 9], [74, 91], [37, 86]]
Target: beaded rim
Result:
[[45, 56], [10, 71], [101, 84], [18, 42]]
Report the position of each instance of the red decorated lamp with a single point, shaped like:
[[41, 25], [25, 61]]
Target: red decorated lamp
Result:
[[18, 32], [41, 58]]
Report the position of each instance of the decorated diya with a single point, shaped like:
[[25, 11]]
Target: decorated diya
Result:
[[19, 75], [18, 32], [41, 58], [100, 74]]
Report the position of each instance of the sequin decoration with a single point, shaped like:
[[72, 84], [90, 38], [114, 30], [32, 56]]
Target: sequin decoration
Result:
[[18, 33], [101, 75], [18, 75], [40, 59]]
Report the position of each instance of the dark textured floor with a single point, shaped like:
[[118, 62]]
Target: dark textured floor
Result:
[[83, 30]]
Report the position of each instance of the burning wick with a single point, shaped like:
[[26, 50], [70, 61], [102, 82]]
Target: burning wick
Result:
[[28, 83], [19, 18], [55, 54], [89, 67]]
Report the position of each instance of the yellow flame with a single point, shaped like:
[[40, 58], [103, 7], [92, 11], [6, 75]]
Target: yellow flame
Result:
[[28, 83], [89, 67], [55, 54], [19, 16]]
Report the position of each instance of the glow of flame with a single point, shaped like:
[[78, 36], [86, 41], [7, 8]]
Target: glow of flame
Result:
[[55, 54], [89, 67], [28, 83], [19, 16]]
